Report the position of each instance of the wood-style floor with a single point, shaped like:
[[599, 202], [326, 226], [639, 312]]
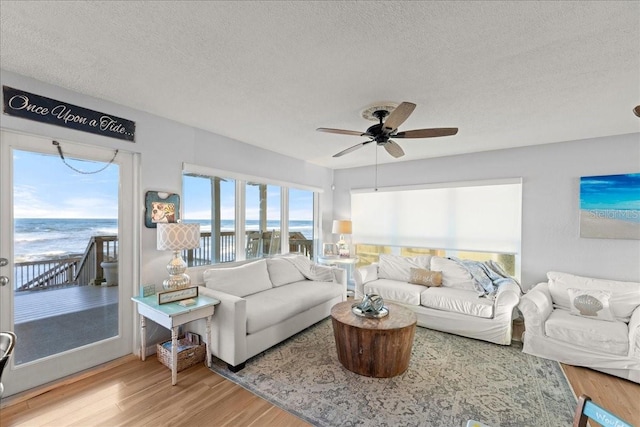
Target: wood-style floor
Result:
[[133, 393], [136, 393]]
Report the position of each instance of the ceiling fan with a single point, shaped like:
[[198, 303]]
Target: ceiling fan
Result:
[[383, 131]]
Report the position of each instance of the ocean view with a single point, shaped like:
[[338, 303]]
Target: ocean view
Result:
[[42, 239]]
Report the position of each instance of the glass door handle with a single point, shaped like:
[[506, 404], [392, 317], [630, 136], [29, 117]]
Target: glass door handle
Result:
[[3, 262]]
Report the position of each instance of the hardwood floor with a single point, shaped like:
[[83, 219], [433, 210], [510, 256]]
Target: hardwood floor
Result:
[[140, 393], [131, 392]]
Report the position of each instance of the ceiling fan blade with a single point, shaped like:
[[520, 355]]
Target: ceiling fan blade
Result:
[[398, 116], [394, 149], [350, 149], [426, 133], [341, 131]]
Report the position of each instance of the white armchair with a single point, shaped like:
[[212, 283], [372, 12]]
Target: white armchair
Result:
[[583, 321]]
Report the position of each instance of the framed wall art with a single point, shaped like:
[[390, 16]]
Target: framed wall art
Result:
[[610, 206], [161, 207]]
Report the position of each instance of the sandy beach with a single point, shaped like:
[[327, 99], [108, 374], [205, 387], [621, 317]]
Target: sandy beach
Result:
[[607, 228]]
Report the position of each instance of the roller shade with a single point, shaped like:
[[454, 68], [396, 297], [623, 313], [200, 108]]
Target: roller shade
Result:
[[476, 217]]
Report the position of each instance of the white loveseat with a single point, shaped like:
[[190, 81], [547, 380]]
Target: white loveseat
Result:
[[585, 321], [454, 306], [263, 302]]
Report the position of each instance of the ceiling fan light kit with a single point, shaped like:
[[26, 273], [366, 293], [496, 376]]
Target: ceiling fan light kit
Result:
[[389, 117]]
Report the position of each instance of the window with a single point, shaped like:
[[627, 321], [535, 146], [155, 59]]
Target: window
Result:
[[301, 225], [473, 220], [211, 202], [245, 217], [262, 219]]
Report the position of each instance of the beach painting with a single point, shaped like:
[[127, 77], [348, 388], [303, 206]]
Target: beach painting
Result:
[[610, 206]]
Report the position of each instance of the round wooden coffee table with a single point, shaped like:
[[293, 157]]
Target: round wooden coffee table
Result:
[[379, 348]]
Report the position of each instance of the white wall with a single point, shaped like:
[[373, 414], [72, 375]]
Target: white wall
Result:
[[550, 198]]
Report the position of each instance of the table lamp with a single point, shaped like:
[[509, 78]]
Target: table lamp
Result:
[[342, 227], [177, 237]]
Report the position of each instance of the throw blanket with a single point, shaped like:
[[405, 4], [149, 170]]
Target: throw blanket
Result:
[[488, 276], [310, 270]]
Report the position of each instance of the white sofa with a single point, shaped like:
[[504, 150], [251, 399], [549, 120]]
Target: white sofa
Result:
[[585, 321], [263, 302], [453, 307]]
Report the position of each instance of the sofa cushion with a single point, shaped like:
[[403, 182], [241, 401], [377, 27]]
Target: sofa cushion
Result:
[[283, 272], [610, 337], [591, 303], [458, 301], [625, 296], [397, 267], [422, 276], [240, 281], [394, 290], [453, 274], [275, 305]]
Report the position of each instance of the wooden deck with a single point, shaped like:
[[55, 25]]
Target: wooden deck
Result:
[[34, 305]]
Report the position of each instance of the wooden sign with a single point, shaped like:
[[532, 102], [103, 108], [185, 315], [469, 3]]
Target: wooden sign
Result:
[[29, 106], [177, 295]]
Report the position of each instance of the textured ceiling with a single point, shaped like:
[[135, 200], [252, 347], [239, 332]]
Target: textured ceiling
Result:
[[269, 73]]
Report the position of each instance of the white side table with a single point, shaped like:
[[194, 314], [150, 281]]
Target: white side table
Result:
[[171, 316], [342, 262]]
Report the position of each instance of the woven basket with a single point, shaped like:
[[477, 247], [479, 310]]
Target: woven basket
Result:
[[188, 354]]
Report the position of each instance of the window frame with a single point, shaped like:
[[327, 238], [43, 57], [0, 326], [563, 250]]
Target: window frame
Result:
[[241, 180]]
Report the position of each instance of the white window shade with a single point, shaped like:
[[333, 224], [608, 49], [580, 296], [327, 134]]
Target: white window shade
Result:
[[453, 216]]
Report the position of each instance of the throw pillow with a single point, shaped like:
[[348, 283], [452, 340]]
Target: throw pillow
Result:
[[453, 274], [421, 276], [282, 271], [593, 304], [240, 281], [625, 296], [396, 267]]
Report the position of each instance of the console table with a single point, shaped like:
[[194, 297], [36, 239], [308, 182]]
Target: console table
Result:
[[171, 316]]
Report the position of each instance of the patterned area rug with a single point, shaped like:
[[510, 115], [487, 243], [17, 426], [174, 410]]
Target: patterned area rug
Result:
[[450, 380]]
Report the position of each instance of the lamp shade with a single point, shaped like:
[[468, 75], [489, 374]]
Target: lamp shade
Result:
[[178, 236], [341, 227]]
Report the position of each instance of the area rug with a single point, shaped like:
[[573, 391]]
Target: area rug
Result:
[[450, 380]]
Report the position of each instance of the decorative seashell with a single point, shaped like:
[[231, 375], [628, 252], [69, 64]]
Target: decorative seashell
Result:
[[588, 305]]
